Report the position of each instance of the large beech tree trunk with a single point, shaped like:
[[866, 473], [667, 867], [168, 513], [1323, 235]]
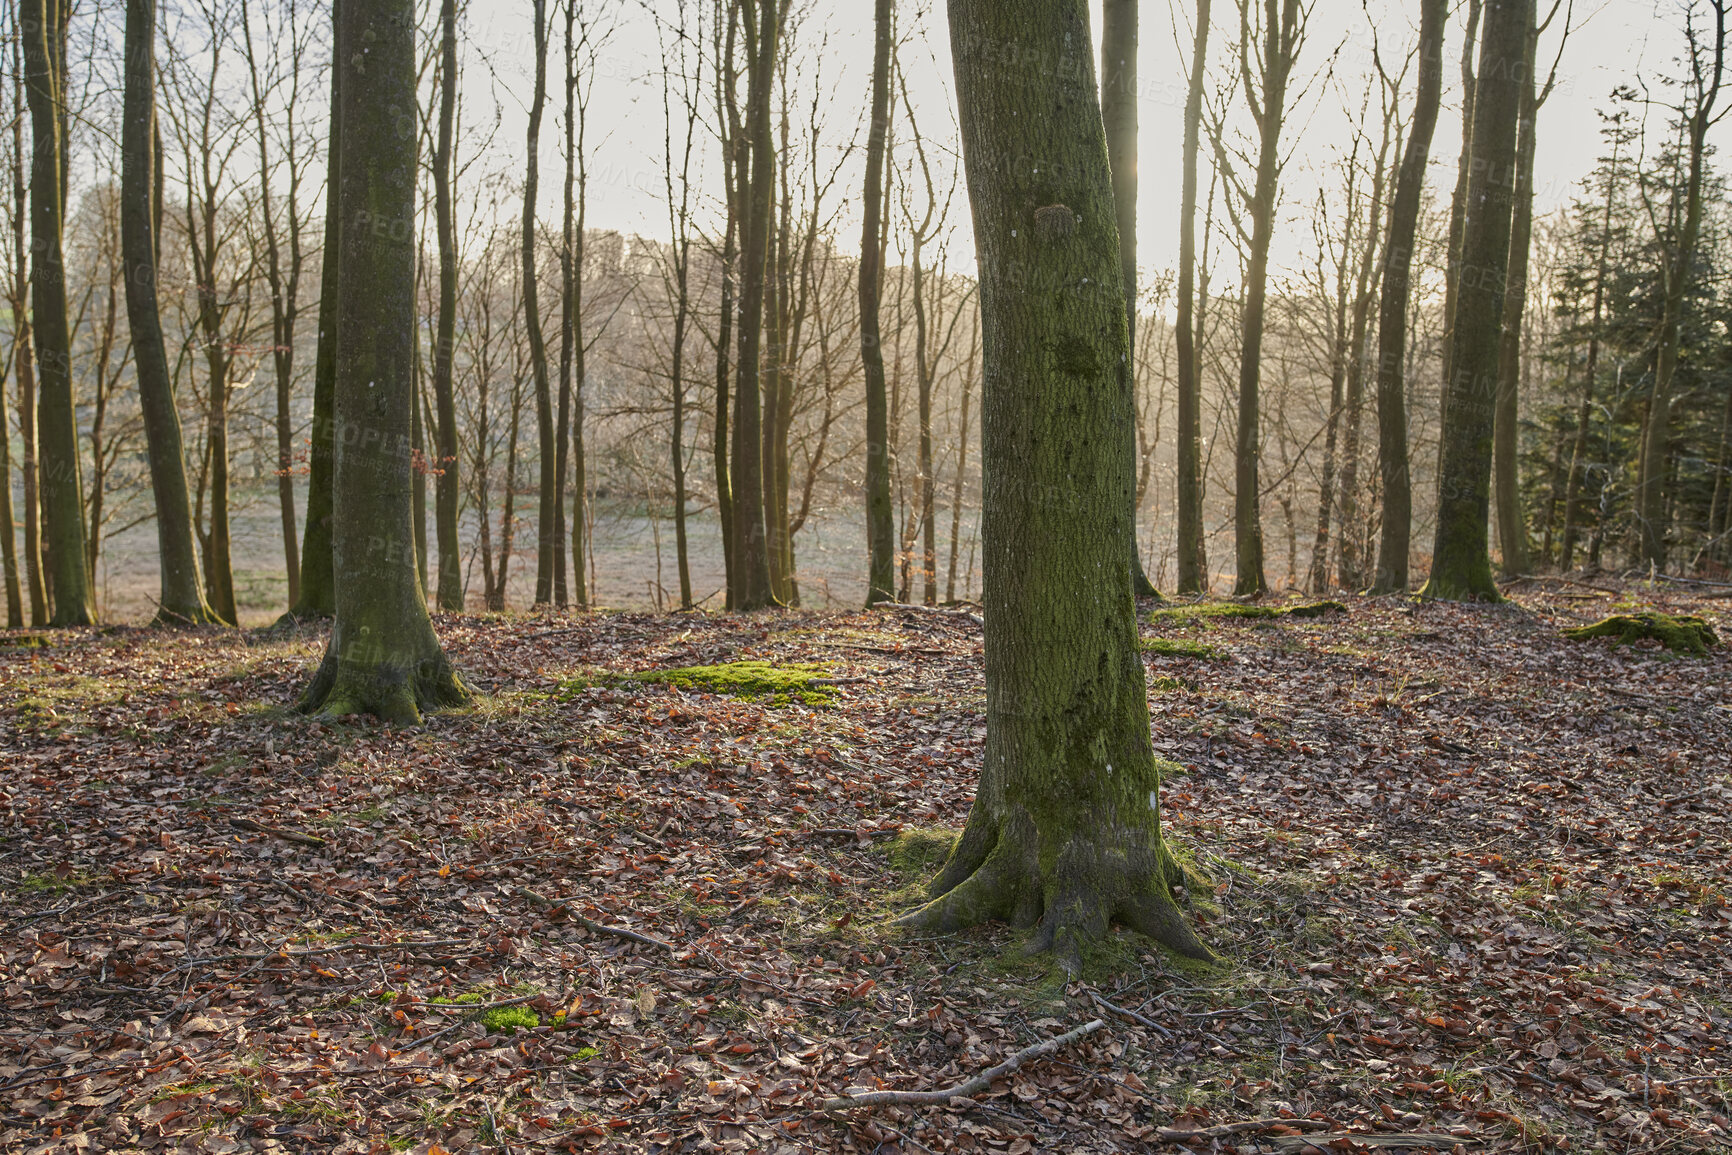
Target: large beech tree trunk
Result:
[[180, 600], [1192, 578], [383, 657], [880, 523], [1460, 561], [42, 24], [1065, 832], [1512, 526], [1397, 527]]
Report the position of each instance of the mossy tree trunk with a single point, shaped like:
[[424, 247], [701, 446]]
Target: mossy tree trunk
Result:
[[42, 25], [446, 485], [880, 525], [1192, 576], [1065, 832], [318, 587], [1396, 531], [181, 598], [383, 657], [1461, 563]]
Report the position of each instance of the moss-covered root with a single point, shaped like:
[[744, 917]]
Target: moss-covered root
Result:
[[392, 691], [1092, 879], [1684, 634]]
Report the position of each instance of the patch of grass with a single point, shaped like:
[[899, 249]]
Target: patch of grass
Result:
[[54, 883], [497, 1020], [1182, 648], [1166, 685], [585, 1054], [917, 853], [24, 641], [1680, 633], [751, 680]]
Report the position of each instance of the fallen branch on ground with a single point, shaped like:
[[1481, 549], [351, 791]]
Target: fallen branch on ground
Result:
[[294, 836], [589, 923], [1247, 1127], [963, 1090], [1131, 1015], [975, 618]]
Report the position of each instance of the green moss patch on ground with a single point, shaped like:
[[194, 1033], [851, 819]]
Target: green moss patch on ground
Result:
[[760, 681], [1182, 648], [1206, 610], [1680, 633]]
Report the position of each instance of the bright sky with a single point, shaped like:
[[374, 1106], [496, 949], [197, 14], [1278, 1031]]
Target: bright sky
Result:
[[1613, 42]]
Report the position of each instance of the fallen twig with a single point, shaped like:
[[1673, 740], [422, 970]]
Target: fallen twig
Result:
[[589, 923], [973, 1086], [975, 618], [1247, 1127], [1131, 1015], [294, 836]]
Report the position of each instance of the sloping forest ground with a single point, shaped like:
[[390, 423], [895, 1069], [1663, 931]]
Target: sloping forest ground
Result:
[[1472, 881]]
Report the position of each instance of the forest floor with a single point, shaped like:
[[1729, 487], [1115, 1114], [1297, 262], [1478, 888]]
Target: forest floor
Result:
[[1472, 884]]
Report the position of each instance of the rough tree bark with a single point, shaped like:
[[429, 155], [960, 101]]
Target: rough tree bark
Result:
[[880, 525], [383, 657], [42, 25], [1397, 528], [180, 599], [1064, 834], [1458, 199], [1460, 561], [1192, 576]]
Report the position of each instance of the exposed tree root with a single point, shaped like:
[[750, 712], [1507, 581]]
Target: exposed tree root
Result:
[[393, 691], [1069, 888]]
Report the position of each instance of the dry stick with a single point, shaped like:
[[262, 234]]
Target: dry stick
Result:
[[975, 618], [963, 1090], [294, 836], [339, 948], [588, 923], [1249, 1126], [1131, 1015]]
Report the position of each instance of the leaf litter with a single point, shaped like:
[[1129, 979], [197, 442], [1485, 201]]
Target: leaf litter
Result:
[[1471, 881]]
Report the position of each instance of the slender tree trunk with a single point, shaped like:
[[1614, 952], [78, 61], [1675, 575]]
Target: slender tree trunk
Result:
[[23, 357], [751, 557], [8, 529], [1119, 116], [1398, 253], [1192, 576], [1590, 374], [961, 475], [1511, 519], [1458, 201], [1350, 567], [880, 526], [720, 432], [383, 657], [1317, 579], [447, 485], [567, 323], [1064, 834], [42, 24], [547, 450], [318, 590], [1652, 491], [180, 598], [1461, 564], [1280, 43]]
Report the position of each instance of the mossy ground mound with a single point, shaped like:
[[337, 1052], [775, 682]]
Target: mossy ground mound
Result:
[[1241, 610], [1683, 634], [753, 680], [1181, 648], [497, 1020]]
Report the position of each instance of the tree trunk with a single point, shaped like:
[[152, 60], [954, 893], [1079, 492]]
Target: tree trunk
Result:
[[1651, 488], [1458, 200], [447, 484], [567, 321], [1461, 563], [1119, 117], [1511, 520], [383, 657], [42, 24], [961, 476], [1280, 43], [1064, 833], [318, 591], [880, 526], [547, 450], [1396, 532], [1192, 576], [180, 600], [1317, 579], [751, 557]]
